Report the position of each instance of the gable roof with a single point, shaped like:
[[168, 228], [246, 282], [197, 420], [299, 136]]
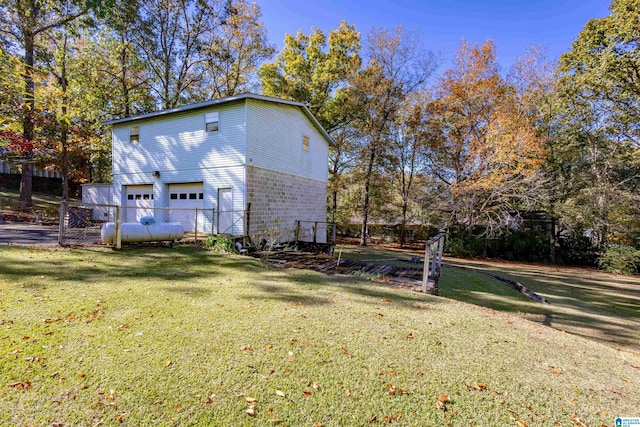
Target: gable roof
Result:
[[220, 101]]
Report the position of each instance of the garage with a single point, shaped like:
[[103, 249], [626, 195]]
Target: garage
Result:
[[139, 202], [184, 199]]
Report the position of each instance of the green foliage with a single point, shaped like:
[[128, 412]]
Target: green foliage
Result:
[[620, 259], [575, 248], [221, 244]]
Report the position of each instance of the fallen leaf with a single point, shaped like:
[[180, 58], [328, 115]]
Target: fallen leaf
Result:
[[479, 387], [443, 398], [557, 371], [440, 405], [276, 421], [167, 363], [177, 406], [373, 419], [521, 423], [307, 393], [313, 385], [250, 411], [386, 300], [344, 351], [280, 393], [247, 349], [80, 374], [249, 399], [119, 417], [268, 346], [347, 392], [578, 421], [317, 424]]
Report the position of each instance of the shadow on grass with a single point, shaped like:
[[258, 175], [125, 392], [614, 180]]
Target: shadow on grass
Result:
[[582, 302]]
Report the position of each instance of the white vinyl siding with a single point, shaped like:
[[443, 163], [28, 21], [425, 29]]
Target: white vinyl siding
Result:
[[275, 135]]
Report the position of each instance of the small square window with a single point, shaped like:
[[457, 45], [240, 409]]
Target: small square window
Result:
[[183, 196], [145, 196], [174, 196], [305, 143], [200, 196], [129, 196], [193, 196], [134, 134], [138, 196], [211, 122]]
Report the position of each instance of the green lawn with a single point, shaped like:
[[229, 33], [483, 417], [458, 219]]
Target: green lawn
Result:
[[587, 302], [159, 336], [47, 203]]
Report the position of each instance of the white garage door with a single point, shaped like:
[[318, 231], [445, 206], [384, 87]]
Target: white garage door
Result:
[[139, 202], [184, 199]]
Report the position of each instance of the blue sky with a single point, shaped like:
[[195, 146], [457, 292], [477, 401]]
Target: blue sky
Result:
[[513, 25]]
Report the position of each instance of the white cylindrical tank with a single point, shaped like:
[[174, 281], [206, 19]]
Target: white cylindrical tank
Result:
[[134, 232]]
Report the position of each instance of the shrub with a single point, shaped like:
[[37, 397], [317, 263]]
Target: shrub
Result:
[[221, 244], [620, 259]]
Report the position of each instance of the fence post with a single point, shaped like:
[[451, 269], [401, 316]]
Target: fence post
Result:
[[434, 262], [315, 231], [61, 213], [213, 216], [118, 236], [440, 251], [425, 269], [297, 232]]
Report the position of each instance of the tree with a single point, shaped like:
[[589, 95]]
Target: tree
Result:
[[408, 142], [232, 57], [312, 69], [397, 67], [487, 151], [22, 22], [171, 38], [599, 125]]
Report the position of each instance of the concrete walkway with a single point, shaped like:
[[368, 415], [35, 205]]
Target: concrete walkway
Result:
[[27, 234]]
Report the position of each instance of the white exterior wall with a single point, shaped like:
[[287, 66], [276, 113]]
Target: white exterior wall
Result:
[[180, 149], [98, 194], [275, 133]]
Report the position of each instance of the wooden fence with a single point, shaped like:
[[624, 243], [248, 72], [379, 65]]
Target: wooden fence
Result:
[[433, 264]]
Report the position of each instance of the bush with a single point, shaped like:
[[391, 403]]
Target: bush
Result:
[[620, 259], [221, 244]]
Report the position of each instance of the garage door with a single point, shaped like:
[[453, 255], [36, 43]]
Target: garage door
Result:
[[139, 202], [184, 199]]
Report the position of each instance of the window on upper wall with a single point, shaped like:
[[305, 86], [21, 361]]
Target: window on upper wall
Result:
[[134, 134], [305, 143], [211, 122]]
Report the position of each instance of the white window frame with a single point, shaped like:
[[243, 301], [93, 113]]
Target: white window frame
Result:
[[212, 121], [134, 134]]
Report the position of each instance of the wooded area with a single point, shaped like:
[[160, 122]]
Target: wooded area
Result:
[[541, 161]]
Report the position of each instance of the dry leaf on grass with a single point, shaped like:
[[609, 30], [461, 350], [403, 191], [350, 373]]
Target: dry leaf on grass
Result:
[[280, 393]]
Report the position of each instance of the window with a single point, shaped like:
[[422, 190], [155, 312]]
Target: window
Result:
[[305, 143], [200, 196], [183, 196], [134, 134], [193, 196], [211, 122], [129, 196], [174, 196]]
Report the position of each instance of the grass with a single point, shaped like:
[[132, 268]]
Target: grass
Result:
[[159, 336], [583, 301], [45, 202]]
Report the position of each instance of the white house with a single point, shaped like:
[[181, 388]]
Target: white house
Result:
[[248, 163]]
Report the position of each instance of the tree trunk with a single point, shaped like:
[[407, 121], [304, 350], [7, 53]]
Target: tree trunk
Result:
[[365, 203]]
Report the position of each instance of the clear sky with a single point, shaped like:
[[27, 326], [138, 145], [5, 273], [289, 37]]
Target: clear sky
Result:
[[513, 25]]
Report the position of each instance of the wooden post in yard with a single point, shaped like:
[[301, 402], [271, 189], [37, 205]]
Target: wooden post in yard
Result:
[[425, 269], [297, 232], [61, 212], [118, 235], [315, 231]]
